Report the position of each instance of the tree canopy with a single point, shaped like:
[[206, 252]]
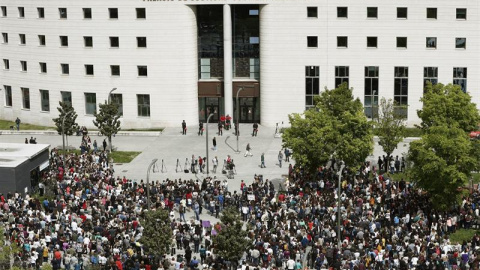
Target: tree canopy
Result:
[[336, 127], [107, 120], [231, 241], [390, 127], [157, 233], [70, 126]]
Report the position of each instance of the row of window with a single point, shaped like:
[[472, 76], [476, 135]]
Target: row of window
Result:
[[87, 41], [142, 71], [371, 90], [401, 42], [402, 13], [141, 13], [143, 101]]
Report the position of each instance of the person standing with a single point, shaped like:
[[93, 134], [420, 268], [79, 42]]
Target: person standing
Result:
[[220, 126], [280, 158], [184, 128], [200, 128], [95, 146], [104, 144], [215, 164], [262, 159], [17, 122], [255, 129], [200, 164], [248, 149], [214, 144], [287, 155], [26, 141], [192, 164]]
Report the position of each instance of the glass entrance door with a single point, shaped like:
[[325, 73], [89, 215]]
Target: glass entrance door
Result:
[[208, 105], [247, 110]]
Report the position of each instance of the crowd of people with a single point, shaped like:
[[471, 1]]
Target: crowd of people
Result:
[[94, 219]]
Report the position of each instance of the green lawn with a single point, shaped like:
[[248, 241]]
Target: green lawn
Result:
[[5, 125], [144, 129], [118, 156], [462, 235]]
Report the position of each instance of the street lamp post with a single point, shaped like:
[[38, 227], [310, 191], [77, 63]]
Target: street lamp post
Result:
[[206, 141], [63, 136], [339, 212], [238, 111], [373, 105], [148, 181], [110, 94]]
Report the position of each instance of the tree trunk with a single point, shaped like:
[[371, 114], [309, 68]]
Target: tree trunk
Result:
[[110, 143], [68, 150]]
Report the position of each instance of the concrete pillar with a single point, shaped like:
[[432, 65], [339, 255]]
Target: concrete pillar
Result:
[[227, 59]]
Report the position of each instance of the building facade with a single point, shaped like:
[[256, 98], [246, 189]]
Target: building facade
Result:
[[185, 59]]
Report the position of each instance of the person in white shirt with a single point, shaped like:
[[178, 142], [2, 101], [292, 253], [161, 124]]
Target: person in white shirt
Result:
[[290, 264]]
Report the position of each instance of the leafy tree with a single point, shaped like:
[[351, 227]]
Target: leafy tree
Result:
[[108, 121], [70, 126], [390, 126], [157, 233], [442, 162], [448, 105], [7, 252], [232, 240], [337, 127]]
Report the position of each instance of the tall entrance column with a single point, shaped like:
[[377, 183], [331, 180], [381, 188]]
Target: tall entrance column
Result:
[[227, 60]]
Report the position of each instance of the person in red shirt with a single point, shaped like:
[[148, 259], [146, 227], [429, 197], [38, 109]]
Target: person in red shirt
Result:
[[119, 265]]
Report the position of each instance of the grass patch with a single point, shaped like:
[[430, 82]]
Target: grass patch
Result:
[[144, 129], [124, 156], [5, 125], [462, 235]]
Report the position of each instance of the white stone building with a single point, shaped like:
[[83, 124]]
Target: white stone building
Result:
[[182, 59]]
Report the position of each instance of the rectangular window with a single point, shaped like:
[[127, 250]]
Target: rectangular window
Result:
[[372, 42], [41, 40], [118, 100], [431, 42], [141, 42], [254, 68], [460, 77], [90, 103], [113, 13], [341, 75], [89, 70], [23, 65], [87, 13], [430, 74], [141, 13], [114, 42], [402, 12], [40, 12], [65, 69], [6, 64], [372, 12], [312, 85], [371, 92], [205, 68], [44, 100], [62, 13], [4, 11], [43, 67], [432, 13], [312, 42], [8, 95], [22, 39], [342, 42], [342, 12], [5, 38], [312, 12], [115, 70], [400, 92], [64, 41], [461, 13], [402, 42], [143, 105], [460, 43], [142, 71], [21, 12], [88, 41], [66, 97], [25, 98]]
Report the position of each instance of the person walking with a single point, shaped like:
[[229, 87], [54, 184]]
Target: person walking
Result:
[[255, 129], [200, 129], [280, 158], [184, 128], [17, 122], [262, 160], [214, 140], [220, 126], [215, 164], [248, 149]]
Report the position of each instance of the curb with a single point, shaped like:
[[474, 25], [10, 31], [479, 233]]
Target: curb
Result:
[[94, 133]]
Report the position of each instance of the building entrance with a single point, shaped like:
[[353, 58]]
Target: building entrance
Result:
[[208, 105], [248, 110]]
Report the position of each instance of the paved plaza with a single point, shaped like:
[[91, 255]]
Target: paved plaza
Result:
[[171, 145]]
